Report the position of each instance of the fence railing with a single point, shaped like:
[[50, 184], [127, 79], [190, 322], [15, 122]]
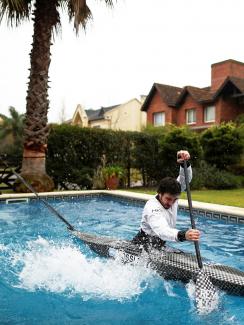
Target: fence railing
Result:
[[7, 178]]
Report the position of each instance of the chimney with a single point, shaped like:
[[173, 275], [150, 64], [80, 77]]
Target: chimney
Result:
[[221, 70]]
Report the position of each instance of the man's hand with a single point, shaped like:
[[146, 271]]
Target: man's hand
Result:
[[182, 155], [193, 234]]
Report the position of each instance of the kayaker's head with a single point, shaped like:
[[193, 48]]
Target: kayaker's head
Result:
[[169, 190]]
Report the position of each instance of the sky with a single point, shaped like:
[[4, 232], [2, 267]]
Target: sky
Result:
[[123, 52]]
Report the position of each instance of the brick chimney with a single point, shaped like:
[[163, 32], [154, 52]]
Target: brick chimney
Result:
[[221, 70]]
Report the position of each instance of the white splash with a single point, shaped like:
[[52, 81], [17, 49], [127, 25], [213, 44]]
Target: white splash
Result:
[[169, 289], [205, 304], [64, 269], [2, 248], [8, 217]]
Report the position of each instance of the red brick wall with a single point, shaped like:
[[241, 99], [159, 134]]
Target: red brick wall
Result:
[[224, 111], [189, 103], [220, 71], [158, 105], [229, 110]]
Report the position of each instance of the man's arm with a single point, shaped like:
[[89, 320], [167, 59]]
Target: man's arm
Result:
[[181, 178], [190, 234], [181, 156], [161, 228]]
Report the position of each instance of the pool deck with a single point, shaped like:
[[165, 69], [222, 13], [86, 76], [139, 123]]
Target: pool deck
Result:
[[208, 210]]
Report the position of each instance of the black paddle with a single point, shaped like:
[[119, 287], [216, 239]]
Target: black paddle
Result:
[[206, 293], [70, 227]]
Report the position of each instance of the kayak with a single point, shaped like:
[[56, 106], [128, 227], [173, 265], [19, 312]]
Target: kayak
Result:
[[170, 263]]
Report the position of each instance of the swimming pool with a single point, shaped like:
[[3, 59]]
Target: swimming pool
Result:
[[49, 277]]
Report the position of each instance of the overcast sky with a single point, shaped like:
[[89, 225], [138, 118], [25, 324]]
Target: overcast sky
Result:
[[124, 51]]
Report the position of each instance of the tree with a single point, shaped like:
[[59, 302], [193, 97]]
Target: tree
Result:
[[46, 17], [11, 128], [11, 136]]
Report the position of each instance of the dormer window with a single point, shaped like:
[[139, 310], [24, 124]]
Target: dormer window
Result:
[[191, 116], [209, 114], [159, 119]]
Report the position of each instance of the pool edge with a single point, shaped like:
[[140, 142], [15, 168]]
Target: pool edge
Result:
[[208, 210]]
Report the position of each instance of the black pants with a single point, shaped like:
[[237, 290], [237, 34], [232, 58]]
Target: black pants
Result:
[[148, 241]]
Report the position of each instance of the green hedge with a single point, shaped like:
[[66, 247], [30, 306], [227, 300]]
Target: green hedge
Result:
[[74, 153]]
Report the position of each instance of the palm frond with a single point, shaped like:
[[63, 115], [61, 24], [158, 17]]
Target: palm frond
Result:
[[110, 3], [77, 11], [2, 116], [15, 11]]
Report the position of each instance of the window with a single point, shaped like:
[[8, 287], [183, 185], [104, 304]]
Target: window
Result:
[[159, 119], [209, 114], [191, 116]]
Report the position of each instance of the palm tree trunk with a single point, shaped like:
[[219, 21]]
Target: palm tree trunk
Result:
[[36, 128]]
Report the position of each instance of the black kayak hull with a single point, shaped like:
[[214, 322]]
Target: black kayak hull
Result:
[[170, 263]]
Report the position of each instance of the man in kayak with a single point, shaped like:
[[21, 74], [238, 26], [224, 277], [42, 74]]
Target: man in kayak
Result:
[[160, 213]]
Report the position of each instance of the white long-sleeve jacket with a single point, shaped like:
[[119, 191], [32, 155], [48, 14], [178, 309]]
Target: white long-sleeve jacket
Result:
[[160, 222]]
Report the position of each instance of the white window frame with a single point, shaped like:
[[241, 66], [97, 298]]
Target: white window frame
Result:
[[191, 116], [159, 119], [206, 109]]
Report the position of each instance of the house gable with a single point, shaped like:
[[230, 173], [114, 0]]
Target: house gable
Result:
[[168, 94], [200, 95], [231, 87], [79, 117]]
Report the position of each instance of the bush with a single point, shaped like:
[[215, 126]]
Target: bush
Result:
[[222, 145], [178, 139], [207, 176]]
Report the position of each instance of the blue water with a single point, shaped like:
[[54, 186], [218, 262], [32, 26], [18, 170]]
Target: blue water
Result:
[[49, 277]]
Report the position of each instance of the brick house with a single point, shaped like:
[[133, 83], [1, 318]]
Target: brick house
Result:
[[199, 108]]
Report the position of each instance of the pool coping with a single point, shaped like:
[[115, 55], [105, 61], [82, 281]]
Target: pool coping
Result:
[[207, 210]]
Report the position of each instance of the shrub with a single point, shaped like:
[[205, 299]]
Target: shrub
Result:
[[178, 139], [222, 145], [207, 176], [113, 170]]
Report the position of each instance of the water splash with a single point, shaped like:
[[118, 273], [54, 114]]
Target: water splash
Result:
[[62, 268], [205, 301], [3, 247], [169, 289]]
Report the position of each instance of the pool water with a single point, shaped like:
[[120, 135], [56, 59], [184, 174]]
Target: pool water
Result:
[[49, 277]]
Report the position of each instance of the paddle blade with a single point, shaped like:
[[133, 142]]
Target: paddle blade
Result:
[[206, 295]]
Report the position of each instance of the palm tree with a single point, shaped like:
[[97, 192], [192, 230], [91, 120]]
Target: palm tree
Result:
[[12, 127], [46, 17]]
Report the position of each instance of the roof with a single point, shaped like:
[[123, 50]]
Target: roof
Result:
[[238, 83], [91, 112], [199, 94], [98, 114], [173, 96], [169, 94]]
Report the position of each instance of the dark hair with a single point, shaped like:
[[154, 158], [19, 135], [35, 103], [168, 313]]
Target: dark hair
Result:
[[169, 185]]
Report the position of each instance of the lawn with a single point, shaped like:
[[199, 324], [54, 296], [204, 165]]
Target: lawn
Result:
[[226, 197]]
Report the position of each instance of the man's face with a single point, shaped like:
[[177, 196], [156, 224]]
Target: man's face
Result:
[[167, 199]]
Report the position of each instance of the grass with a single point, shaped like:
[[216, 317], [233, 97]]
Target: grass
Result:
[[225, 197]]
